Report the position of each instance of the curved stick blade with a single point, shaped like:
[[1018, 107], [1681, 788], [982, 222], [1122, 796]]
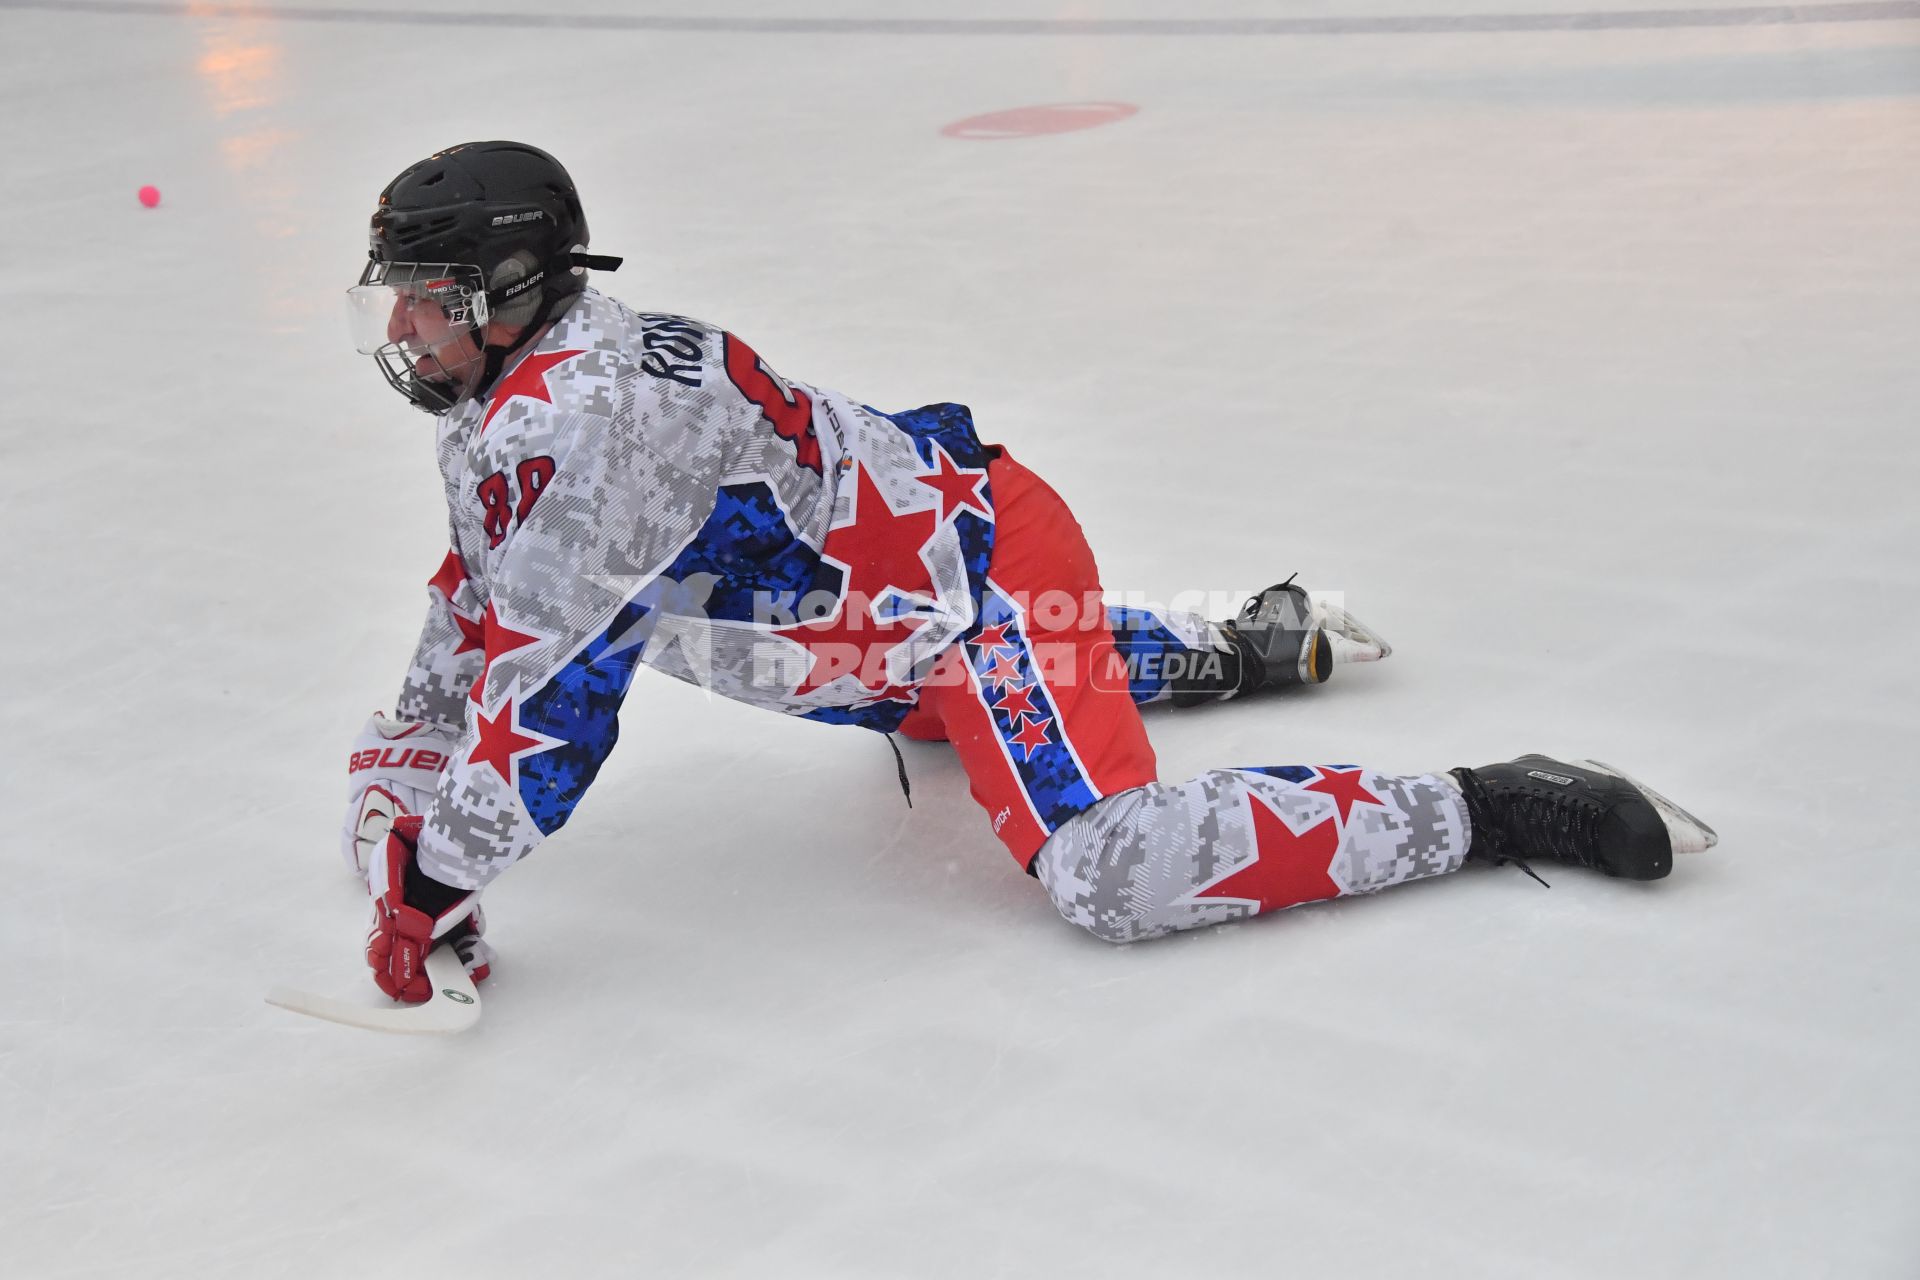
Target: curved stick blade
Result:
[[453, 1008]]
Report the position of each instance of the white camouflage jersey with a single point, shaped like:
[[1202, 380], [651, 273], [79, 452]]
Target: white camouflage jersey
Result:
[[640, 488]]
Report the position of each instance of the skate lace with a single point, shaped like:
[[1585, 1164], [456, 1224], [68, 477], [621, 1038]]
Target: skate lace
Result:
[[1563, 823], [1253, 666], [1496, 839]]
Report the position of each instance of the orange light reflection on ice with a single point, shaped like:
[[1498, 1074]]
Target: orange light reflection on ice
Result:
[[241, 77]]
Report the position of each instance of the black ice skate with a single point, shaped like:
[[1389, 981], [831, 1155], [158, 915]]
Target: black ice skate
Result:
[[1284, 637], [1585, 813]]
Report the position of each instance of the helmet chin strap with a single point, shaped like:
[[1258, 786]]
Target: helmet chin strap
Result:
[[496, 360], [465, 384]]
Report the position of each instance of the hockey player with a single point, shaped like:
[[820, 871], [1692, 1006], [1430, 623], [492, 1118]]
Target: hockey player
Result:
[[628, 488]]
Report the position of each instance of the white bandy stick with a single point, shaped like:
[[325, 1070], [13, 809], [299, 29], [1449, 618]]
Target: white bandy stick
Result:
[[453, 1007]]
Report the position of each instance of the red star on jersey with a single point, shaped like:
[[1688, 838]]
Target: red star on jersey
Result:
[[473, 635], [880, 547], [449, 577], [1002, 673], [502, 744], [995, 637], [850, 643], [529, 379], [1017, 701], [501, 640], [1286, 868], [957, 487], [1032, 735], [1344, 786]]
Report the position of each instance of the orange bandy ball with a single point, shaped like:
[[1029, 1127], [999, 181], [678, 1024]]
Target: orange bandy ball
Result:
[[149, 196]]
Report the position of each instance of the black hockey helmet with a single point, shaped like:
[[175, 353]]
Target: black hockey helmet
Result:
[[489, 233]]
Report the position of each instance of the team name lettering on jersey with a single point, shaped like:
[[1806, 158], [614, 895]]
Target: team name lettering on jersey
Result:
[[670, 348]]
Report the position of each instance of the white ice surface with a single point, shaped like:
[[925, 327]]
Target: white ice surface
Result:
[[1585, 362]]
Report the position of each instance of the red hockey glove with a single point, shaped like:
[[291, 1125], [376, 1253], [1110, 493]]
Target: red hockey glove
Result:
[[413, 913]]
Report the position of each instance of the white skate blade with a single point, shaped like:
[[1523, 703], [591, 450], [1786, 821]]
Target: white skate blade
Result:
[[1348, 638], [453, 1007], [1686, 833]]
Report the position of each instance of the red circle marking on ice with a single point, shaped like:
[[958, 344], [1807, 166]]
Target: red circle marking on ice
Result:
[[1031, 122]]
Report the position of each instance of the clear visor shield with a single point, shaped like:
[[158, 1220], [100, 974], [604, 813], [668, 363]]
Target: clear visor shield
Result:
[[417, 307]]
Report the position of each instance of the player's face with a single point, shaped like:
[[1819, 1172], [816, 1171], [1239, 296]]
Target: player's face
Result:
[[445, 348], [424, 323]]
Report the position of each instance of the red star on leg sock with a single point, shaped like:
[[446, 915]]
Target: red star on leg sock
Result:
[[1287, 869], [1344, 786]]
